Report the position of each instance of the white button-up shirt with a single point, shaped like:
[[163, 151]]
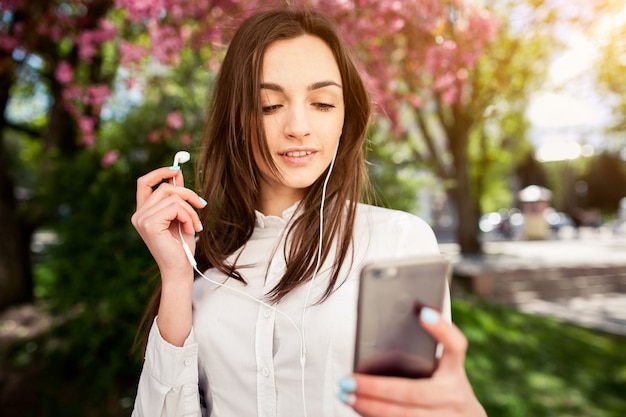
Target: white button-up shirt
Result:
[[243, 356]]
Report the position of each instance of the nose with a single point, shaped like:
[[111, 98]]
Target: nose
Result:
[[298, 125]]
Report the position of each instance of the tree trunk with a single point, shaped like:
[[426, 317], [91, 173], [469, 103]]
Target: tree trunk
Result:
[[16, 280], [461, 194]]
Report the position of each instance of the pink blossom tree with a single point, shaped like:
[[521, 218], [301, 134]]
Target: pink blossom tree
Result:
[[413, 54], [416, 56], [407, 48], [55, 46]]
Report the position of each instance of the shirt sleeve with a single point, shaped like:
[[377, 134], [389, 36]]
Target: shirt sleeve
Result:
[[168, 385]]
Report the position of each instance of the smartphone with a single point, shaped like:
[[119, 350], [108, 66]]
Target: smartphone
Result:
[[389, 338]]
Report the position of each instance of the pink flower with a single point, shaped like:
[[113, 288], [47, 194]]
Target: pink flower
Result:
[[8, 42], [140, 9], [130, 53], [86, 124], [73, 93], [97, 94], [153, 137], [131, 83], [89, 41], [185, 139], [449, 95], [166, 43], [89, 139], [87, 46], [175, 120], [107, 31], [64, 73], [109, 158]]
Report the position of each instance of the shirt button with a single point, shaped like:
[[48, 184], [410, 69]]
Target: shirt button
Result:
[[265, 372], [267, 313], [187, 362]]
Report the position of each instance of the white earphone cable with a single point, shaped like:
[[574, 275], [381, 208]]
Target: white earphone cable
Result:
[[301, 330], [315, 271]]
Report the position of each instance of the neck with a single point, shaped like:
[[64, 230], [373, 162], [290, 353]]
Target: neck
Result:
[[275, 202]]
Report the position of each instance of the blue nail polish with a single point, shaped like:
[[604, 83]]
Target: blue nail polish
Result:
[[203, 201], [200, 226], [429, 315], [174, 168], [343, 397], [347, 384]]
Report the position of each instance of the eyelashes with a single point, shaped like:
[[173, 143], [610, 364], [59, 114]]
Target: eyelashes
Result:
[[270, 109], [324, 107]]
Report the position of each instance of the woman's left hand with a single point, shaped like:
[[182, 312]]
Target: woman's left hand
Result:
[[446, 393]]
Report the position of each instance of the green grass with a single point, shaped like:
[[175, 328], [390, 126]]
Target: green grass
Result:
[[518, 364], [525, 365]]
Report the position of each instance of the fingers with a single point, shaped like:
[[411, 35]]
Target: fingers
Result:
[[157, 217], [146, 183], [379, 395], [451, 338], [158, 208], [146, 187], [391, 396]]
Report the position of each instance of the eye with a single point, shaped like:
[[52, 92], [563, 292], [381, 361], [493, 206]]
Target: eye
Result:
[[324, 106], [271, 108]]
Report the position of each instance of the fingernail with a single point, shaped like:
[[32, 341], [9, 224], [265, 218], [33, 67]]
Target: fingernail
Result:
[[347, 384], [200, 227], [346, 398], [203, 201], [174, 168], [428, 315]]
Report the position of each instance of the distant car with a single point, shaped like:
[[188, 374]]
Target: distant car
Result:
[[557, 219], [505, 222], [489, 222]]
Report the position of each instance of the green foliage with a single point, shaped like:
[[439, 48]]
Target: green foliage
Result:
[[395, 175], [611, 70], [99, 275], [522, 365], [605, 181], [562, 177]]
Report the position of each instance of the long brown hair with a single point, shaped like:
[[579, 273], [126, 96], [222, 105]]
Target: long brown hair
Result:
[[228, 176]]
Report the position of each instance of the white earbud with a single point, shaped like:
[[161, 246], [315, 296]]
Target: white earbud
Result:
[[181, 157]]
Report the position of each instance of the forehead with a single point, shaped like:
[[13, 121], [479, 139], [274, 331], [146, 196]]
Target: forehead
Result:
[[305, 59]]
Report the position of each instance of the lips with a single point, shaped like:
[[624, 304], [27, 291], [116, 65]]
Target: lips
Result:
[[297, 153], [297, 156]]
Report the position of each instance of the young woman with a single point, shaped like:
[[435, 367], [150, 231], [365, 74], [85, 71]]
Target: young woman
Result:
[[266, 328]]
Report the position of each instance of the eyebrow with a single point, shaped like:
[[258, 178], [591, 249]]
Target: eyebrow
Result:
[[314, 86]]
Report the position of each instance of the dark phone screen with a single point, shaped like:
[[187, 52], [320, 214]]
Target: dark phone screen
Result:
[[390, 341]]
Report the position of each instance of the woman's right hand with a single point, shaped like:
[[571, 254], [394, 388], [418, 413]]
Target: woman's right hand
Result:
[[161, 208]]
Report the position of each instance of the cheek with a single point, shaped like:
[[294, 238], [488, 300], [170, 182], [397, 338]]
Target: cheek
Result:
[[335, 129], [272, 129]]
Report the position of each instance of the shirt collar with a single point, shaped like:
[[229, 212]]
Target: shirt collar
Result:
[[263, 221]]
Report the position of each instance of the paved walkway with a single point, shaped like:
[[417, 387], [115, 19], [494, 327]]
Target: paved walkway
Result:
[[606, 312]]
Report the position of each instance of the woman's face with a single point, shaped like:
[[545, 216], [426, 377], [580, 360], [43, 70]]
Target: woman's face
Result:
[[303, 114]]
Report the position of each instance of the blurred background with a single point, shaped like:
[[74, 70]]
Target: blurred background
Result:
[[501, 122]]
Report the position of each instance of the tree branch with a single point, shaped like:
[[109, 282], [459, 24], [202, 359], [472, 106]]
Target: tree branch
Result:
[[23, 129], [437, 163]]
